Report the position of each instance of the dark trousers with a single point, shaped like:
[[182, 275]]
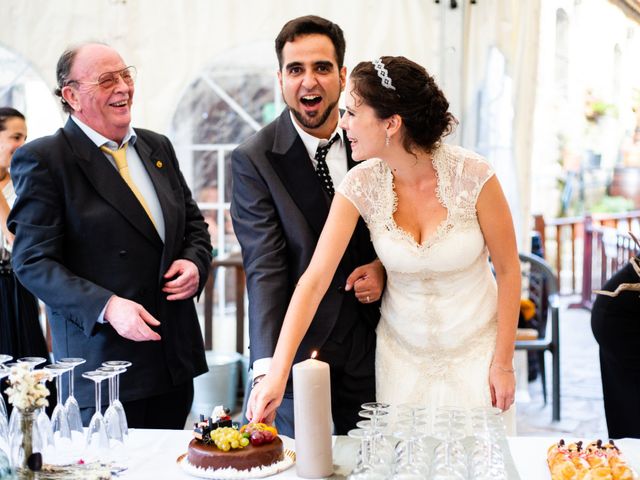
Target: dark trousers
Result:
[[352, 363], [166, 411], [621, 392]]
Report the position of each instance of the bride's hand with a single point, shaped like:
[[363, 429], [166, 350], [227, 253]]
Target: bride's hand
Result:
[[502, 382], [266, 397]]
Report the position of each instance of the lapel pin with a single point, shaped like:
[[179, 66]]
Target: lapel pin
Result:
[[159, 164]]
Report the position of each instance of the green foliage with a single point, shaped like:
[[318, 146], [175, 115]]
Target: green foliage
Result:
[[612, 205]]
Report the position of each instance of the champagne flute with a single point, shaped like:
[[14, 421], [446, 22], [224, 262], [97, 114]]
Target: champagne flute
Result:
[[14, 423], [4, 420], [122, 365], [71, 404], [32, 361], [409, 465], [59, 420], [4, 359], [111, 416], [97, 440]]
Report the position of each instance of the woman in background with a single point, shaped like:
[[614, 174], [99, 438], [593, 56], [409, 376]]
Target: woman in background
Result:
[[20, 330]]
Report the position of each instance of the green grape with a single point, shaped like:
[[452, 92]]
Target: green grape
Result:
[[227, 438]]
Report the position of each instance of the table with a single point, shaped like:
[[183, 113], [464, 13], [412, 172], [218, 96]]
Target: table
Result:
[[153, 454]]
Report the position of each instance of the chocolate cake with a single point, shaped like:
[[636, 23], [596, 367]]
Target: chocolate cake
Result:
[[202, 455], [219, 444]]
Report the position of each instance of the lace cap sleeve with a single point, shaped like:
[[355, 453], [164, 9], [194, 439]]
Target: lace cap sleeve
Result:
[[469, 172], [478, 170], [362, 187]]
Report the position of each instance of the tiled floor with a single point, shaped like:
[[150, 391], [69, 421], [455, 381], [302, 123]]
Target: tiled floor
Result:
[[581, 407]]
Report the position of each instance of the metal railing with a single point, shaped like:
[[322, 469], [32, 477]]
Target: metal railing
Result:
[[587, 250]]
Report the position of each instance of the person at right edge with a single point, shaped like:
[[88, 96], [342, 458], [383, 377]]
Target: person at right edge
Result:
[[615, 321], [283, 179]]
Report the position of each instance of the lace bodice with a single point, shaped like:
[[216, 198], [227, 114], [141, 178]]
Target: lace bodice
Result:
[[461, 174], [438, 313]]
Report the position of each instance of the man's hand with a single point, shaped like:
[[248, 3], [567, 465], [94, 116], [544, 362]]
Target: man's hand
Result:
[[130, 320], [185, 285], [367, 281]]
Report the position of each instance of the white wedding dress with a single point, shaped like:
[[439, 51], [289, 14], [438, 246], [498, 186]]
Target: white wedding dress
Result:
[[438, 324]]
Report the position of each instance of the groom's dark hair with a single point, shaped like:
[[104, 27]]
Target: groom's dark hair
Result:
[[308, 25]]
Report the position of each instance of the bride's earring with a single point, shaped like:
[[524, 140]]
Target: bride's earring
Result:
[[387, 139]]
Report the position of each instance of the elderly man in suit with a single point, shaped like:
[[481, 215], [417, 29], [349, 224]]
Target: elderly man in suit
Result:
[[283, 180], [110, 238]]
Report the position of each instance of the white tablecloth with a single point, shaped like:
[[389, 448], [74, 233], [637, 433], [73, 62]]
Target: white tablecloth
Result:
[[153, 454]]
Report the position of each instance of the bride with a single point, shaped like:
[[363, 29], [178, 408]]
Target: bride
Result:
[[436, 212]]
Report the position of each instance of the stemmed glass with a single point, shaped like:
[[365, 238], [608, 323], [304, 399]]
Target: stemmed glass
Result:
[[111, 416], [4, 421], [369, 466], [412, 460], [32, 361], [449, 427], [4, 359], [14, 422], [59, 420], [97, 440], [122, 365], [487, 459], [71, 404]]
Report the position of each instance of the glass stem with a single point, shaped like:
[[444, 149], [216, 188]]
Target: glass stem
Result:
[[117, 392], [71, 382], [112, 388], [58, 389], [98, 395]]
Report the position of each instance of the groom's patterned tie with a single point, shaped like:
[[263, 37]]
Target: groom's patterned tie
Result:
[[322, 169]]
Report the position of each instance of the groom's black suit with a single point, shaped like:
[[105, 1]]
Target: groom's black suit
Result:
[[278, 211]]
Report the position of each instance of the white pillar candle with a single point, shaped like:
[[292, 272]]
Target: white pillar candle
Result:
[[313, 423]]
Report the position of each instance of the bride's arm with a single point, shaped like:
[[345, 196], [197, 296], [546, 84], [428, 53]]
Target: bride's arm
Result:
[[497, 227], [312, 285]]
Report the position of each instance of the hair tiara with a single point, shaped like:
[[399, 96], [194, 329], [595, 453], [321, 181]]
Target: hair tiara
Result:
[[383, 73]]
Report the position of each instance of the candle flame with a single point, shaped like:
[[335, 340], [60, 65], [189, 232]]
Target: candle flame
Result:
[[314, 354]]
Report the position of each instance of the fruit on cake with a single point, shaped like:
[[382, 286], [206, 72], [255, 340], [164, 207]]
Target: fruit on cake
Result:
[[218, 445], [597, 460]]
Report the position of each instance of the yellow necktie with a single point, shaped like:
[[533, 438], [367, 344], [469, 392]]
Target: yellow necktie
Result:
[[120, 157]]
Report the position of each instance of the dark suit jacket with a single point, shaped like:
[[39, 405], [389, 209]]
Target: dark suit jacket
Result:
[[278, 210], [615, 321], [82, 236]]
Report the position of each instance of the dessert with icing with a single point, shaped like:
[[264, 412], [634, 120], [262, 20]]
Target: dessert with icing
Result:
[[598, 460], [218, 444]]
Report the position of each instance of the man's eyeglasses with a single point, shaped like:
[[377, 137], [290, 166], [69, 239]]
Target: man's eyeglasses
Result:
[[108, 79]]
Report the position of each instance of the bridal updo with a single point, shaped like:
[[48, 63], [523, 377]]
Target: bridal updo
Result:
[[396, 85]]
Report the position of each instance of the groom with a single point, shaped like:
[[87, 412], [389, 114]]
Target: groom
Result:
[[283, 184]]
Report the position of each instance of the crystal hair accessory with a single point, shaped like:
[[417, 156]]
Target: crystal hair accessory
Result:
[[383, 73]]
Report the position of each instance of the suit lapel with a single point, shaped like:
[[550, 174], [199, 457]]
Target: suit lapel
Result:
[[291, 162], [108, 182]]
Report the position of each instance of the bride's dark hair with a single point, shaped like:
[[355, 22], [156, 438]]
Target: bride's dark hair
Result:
[[415, 97]]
